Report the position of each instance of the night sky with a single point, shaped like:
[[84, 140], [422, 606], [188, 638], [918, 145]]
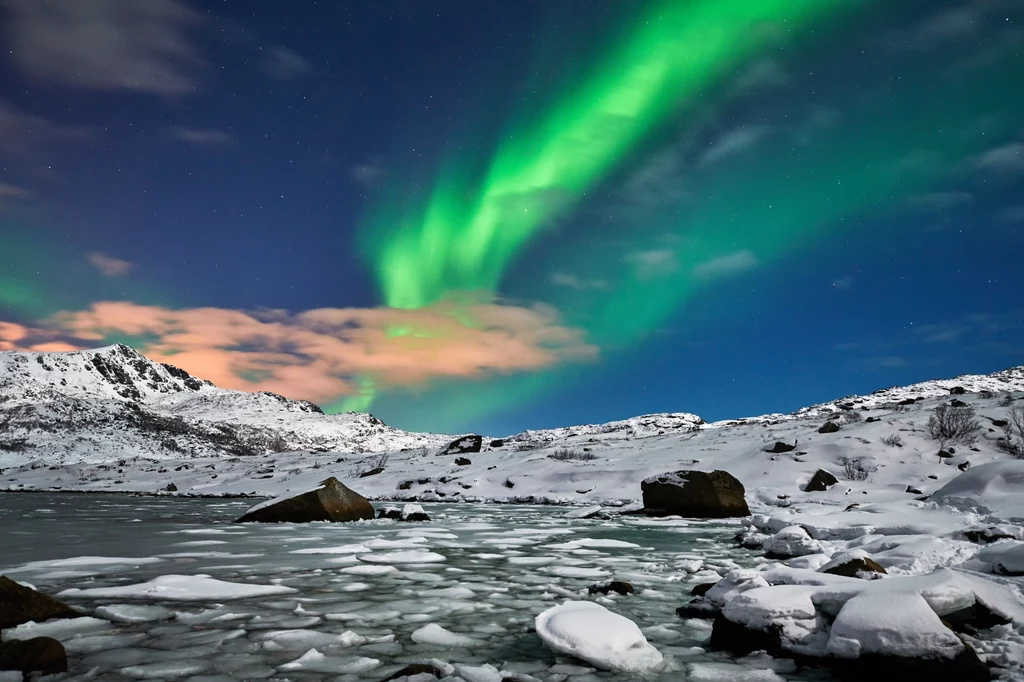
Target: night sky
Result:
[[492, 216]]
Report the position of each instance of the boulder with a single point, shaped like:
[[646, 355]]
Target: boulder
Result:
[[39, 654], [497, 443], [20, 604], [695, 494], [616, 586], [414, 512], [372, 472], [701, 607], [957, 390], [171, 488], [462, 461], [415, 669], [470, 443], [390, 513], [700, 589], [790, 542], [781, 447], [829, 427], [863, 567], [913, 491], [331, 501], [821, 480]]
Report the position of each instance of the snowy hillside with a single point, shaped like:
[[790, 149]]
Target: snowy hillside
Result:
[[110, 403]]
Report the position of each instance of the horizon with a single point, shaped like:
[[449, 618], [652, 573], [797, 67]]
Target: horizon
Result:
[[496, 218]]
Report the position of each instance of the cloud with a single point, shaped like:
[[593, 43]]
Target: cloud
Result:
[[843, 283], [285, 64], [939, 201], [653, 263], [104, 44], [19, 337], [108, 265], [23, 134], [203, 135], [732, 143], [762, 75], [323, 354], [884, 362], [569, 281], [1011, 214], [726, 266], [1006, 159], [12, 192], [367, 174]]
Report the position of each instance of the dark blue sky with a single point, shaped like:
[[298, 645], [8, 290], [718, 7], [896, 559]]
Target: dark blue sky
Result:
[[837, 208]]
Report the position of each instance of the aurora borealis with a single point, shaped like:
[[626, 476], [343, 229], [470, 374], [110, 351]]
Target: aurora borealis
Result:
[[669, 205]]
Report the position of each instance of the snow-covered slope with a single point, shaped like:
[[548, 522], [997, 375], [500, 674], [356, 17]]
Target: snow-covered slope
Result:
[[111, 403]]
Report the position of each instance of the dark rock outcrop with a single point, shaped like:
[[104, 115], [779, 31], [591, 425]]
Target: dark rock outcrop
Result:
[[390, 513], [372, 472], [39, 654], [821, 480], [470, 443], [913, 491], [701, 589], [957, 390], [616, 586], [780, 448], [20, 604], [696, 494], [829, 427], [332, 501], [462, 461]]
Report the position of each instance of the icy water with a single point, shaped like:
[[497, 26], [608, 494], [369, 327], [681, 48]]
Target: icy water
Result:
[[357, 593]]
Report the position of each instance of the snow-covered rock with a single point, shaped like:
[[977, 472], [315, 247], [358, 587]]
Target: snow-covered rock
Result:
[[996, 488], [792, 541], [600, 637]]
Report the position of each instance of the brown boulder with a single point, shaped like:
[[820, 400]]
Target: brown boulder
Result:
[[862, 567], [695, 494], [332, 501], [20, 604], [39, 654], [821, 481]]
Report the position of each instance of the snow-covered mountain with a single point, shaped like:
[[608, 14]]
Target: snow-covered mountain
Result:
[[113, 402]]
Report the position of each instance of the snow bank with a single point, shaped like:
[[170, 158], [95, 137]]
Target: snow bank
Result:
[[593, 633], [996, 488]]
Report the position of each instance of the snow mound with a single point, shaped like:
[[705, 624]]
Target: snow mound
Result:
[[891, 624], [181, 588], [593, 633], [996, 488]]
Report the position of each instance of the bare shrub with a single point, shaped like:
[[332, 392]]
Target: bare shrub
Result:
[[1012, 441], [852, 416], [856, 469], [377, 463], [1006, 400], [893, 441], [567, 455], [895, 407], [953, 425]]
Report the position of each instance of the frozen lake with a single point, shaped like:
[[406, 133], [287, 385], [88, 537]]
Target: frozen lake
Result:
[[368, 597]]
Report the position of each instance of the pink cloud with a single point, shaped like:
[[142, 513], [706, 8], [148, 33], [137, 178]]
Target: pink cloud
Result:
[[317, 354], [108, 265]]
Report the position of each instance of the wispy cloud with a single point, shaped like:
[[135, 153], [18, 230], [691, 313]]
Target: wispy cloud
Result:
[[1011, 214], [844, 283], [211, 136], [569, 281], [939, 201], [285, 64], [23, 134], [104, 44], [729, 265], [732, 143], [653, 263], [12, 192], [319, 354], [368, 174], [108, 265], [1006, 159]]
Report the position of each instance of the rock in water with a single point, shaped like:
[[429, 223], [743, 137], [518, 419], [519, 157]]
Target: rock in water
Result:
[[821, 481], [697, 494], [20, 604], [593, 633], [332, 501], [39, 654]]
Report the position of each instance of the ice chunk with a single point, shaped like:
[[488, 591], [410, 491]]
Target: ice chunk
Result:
[[127, 613], [164, 670], [410, 557], [314, 661], [438, 636], [58, 629], [182, 588], [729, 672], [577, 572], [593, 633]]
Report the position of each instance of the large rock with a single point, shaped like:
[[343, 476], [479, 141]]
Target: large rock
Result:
[[470, 443], [829, 427], [20, 604], [39, 654], [820, 482], [696, 494], [332, 501]]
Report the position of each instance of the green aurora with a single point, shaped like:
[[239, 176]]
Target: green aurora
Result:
[[468, 233]]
